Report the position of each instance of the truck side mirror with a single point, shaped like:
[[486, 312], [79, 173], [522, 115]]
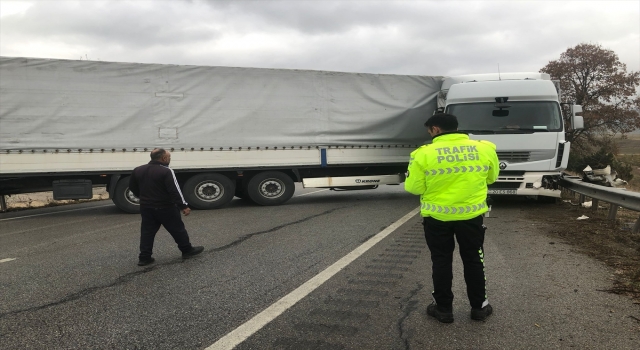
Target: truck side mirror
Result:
[[577, 121], [576, 110]]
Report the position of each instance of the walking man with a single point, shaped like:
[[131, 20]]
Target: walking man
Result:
[[451, 176], [160, 204]]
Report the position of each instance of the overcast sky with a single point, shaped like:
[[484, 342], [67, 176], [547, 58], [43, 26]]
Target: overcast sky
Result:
[[394, 37]]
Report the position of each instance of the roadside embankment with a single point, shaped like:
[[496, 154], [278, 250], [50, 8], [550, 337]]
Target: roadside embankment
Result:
[[45, 199]]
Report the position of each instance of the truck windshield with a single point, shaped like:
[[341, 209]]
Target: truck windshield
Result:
[[508, 118]]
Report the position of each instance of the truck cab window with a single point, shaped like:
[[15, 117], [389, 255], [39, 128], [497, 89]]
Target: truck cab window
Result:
[[518, 117]]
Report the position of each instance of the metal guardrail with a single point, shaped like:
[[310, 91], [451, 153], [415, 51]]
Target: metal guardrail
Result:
[[616, 196]]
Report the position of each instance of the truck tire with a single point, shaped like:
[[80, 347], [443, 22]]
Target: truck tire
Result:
[[209, 191], [270, 188], [124, 199]]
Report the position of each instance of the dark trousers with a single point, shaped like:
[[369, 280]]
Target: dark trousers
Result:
[[170, 218], [470, 237]]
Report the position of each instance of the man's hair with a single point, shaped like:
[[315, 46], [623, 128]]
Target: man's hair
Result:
[[158, 153], [446, 122]]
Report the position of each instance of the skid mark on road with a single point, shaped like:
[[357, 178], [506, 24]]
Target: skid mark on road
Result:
[[78, 295], [127, 277], [247, 236]]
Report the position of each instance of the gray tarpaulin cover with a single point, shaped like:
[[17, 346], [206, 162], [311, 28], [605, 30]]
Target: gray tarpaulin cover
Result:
[[47, 104]]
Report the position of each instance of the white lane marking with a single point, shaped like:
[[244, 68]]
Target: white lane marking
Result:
[[243, 332], [55, 212], [308, 193], [8, 259]]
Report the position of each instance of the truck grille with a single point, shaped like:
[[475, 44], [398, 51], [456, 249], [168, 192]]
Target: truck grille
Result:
[[514, 157]]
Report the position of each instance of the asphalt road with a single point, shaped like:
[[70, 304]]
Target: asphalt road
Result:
[[74, 283]]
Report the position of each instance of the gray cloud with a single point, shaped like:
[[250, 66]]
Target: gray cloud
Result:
[[401, 37], [113, 23]]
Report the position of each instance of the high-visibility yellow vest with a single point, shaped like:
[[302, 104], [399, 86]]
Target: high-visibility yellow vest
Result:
[[451, 176]]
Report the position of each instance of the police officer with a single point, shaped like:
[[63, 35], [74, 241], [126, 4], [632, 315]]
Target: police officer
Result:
[[160, 204], [451, 176]]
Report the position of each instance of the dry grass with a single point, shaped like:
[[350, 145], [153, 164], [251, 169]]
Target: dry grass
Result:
[[629, 145]]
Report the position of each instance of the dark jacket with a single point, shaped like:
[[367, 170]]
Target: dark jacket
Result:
[[156, 186]]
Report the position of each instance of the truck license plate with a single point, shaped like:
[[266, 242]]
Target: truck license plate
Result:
[[493, 191]]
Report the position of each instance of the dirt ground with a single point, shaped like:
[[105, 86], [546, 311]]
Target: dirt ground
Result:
[[610, 242]]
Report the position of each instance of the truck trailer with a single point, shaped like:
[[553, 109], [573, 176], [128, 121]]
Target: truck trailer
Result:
[[521, 113], [71, 125]]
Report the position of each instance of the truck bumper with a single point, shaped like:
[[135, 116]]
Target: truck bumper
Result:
[[527, 184]]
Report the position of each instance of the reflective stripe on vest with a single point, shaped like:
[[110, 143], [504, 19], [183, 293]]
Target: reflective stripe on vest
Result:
[[453, 210], [458, 169]]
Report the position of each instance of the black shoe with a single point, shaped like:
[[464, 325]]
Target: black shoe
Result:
[[145, 261], [444, 316], [481, 314], [194, 251]]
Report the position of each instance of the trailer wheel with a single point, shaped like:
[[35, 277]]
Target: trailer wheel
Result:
[[270, 188], [209, 191], [124, 199]]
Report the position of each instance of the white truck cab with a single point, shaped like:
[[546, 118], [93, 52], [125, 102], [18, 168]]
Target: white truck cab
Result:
[[521, 114]]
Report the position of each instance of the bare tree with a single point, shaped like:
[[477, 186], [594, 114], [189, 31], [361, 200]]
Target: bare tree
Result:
[[595, 78]]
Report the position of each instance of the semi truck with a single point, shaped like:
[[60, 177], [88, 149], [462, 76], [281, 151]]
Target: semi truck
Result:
[[521, 113], [71, 125]]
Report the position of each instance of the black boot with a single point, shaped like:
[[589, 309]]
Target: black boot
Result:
[[481, 314], [444, 315], [194, 251], [145, 261]]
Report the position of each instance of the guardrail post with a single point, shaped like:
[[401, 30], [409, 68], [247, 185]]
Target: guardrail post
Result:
[[617, 198], [613, 210], [3, 204]]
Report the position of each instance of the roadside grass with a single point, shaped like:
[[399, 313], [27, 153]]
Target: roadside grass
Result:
[[628, 145]]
